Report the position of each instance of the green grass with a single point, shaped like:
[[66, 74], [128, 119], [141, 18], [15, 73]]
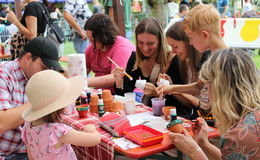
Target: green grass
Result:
[[256, 58], [68, 49]]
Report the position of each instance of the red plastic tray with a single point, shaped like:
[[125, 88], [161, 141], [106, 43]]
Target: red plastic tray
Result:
[[143, 135]]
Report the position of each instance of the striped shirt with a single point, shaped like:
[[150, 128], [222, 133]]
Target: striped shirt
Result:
[[12, 94]]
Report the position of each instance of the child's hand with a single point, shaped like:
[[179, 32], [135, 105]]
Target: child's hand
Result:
[[164, 89], [90, 128]]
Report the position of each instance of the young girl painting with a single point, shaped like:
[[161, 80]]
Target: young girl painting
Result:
[[44, 135]]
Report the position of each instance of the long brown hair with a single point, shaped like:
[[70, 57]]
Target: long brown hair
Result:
[[153, 26], [176, 32]]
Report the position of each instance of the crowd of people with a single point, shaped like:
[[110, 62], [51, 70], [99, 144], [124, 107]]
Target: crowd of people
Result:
[[203, 72]]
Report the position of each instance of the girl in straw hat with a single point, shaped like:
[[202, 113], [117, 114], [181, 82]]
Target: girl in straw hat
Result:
[[45, 137]]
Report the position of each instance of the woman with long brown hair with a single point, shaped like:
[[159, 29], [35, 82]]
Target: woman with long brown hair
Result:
[[152, 54]]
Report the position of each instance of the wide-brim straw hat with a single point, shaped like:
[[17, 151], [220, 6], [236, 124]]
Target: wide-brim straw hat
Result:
[[49, 91]]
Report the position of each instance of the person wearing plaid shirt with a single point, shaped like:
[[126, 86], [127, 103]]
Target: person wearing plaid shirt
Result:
[[39, 54]]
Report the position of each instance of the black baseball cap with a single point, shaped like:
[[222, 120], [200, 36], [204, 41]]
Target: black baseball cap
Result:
[[46, 50]]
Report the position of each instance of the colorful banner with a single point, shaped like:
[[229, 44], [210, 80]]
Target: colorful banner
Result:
[[238, 32], [241, 32]]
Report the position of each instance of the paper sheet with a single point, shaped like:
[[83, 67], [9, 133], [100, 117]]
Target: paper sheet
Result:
[[125, 143], [147, 118]]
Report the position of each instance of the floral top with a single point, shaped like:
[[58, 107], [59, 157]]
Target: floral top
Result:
[[41, 140], [79, 10], [242, 142]]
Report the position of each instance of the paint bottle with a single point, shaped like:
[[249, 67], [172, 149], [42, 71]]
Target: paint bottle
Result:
[[101, 110]]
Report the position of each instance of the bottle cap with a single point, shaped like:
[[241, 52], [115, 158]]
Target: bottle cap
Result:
[[173, 111], [83, 94]]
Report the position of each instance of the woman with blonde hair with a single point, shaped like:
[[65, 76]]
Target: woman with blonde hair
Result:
[[234, 91], [151, 60]]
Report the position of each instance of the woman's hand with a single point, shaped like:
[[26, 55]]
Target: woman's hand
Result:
[[11, 17], [150, 89], [164, 76], [201, 133], [164, 89], [118, 74], [184, 142]]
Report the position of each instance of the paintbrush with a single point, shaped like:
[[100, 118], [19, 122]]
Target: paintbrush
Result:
[[130, 77]]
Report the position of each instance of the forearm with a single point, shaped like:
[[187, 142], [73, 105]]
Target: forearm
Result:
[[25, 31], [198, 155], [101, 81], [188, 100], [191, 88], [16, 120], [70, 19], [211, 151]]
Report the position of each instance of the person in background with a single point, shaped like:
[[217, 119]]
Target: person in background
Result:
[[39, 54], [109, 10], [105, 42], [136, 7], [97, 7], [127, 18], [151, 61], [186, 2], [45, 136], [76, 13], [238, 90], [173, 9], [183, 10], [55, 13], [3, 14], [188, 57], [31, 25], [247, 6], [223, 8]]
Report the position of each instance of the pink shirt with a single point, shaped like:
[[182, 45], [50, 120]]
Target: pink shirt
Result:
[[41, 140], [120, 52]]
